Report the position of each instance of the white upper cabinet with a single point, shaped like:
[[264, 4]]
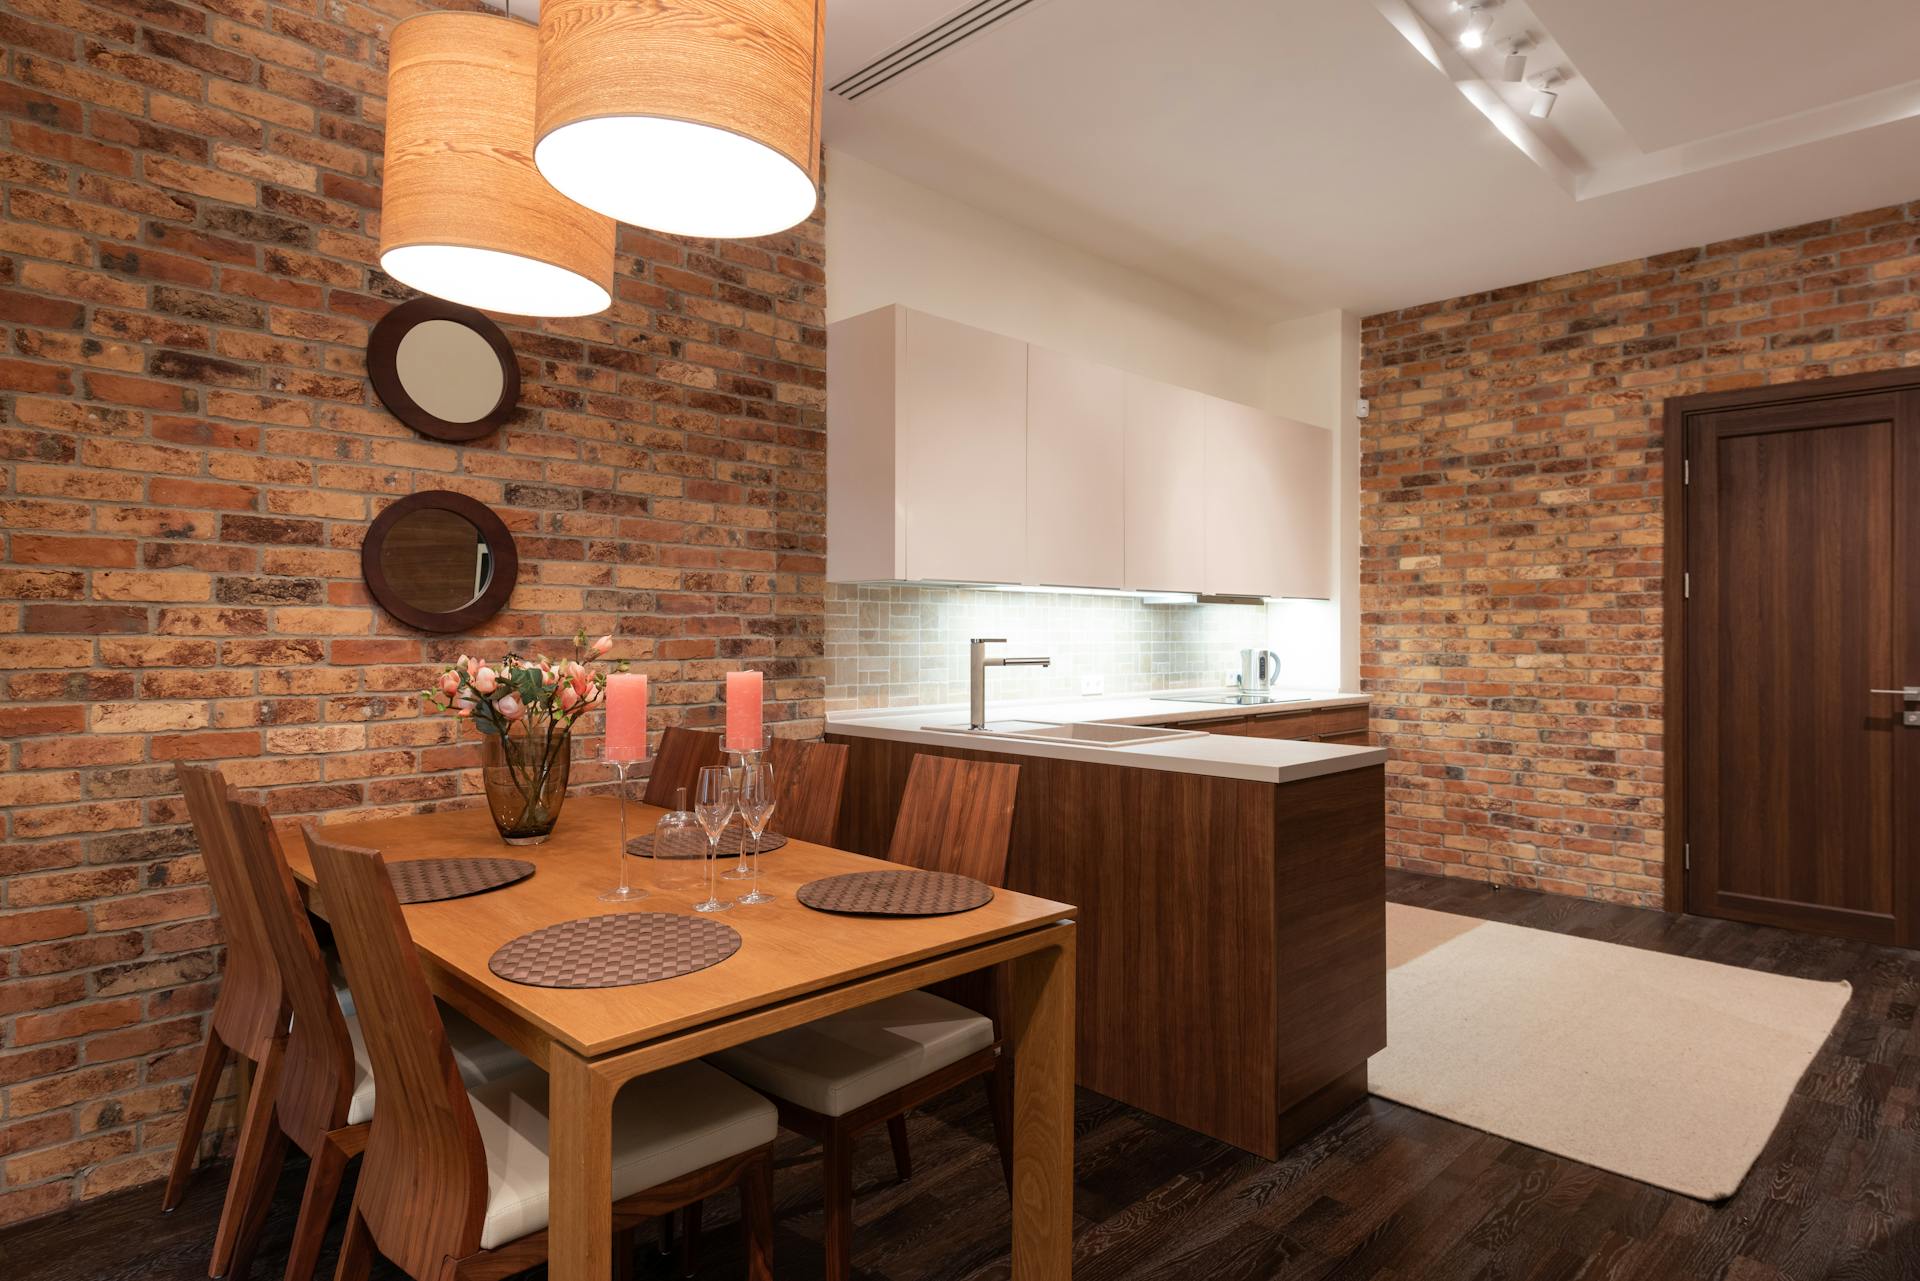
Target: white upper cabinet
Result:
[[926, 451], [1166, 527], [958, 455], [963, 399], [1076, 472], [1268, 504]]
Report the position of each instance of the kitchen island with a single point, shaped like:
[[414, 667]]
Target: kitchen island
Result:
[[1232, 896]]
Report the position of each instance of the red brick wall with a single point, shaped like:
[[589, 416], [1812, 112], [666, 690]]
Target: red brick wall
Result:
[[1511, 481], [189, 456]]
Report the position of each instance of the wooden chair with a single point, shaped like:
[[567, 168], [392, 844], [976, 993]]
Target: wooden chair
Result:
[[841, 1075], [810, 779], [678, 762], [454, 1183], [249, 1022]]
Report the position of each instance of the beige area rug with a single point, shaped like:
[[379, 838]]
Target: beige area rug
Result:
[[1663, 1068]]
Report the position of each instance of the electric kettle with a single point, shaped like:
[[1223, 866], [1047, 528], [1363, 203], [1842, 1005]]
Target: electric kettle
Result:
[[1259, 669]]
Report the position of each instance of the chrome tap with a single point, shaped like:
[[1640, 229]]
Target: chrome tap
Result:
[[977, 678]]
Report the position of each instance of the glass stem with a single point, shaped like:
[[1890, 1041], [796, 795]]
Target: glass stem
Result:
[[621, 853], [713, 860]]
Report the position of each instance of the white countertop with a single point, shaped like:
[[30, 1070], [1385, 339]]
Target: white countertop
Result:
[[1262, 760]]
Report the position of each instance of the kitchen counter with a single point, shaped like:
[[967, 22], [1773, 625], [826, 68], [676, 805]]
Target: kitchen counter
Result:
[[1259, 760], [1230, 892]]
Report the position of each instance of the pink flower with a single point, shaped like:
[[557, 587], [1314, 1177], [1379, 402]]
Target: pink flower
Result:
[[604, 644], [471, 664], [581, 681], [569, 697], [510, 708], [450, 684], [464, 706], [485, 681]]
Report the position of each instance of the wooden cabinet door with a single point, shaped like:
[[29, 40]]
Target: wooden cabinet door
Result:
[[963, 444], [1316, 723], [1076, 472], [1166, 484], [1803, 560]]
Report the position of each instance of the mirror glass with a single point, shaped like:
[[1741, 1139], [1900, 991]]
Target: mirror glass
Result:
[[450, 371], [435, 560]]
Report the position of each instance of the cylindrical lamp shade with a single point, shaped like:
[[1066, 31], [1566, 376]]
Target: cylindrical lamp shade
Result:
[[692, 117], [464, 215]]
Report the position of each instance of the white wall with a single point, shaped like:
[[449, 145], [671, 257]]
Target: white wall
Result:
[[894, 241]]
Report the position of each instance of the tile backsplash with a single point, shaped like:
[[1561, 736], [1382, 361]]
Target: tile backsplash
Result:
[[892, 645]]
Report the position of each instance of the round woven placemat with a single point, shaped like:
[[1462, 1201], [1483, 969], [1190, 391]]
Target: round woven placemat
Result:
[[616, 950], [428, 880], [903, 893], [733, 843]]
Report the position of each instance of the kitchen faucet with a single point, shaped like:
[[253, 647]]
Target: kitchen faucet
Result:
[[977, 680]]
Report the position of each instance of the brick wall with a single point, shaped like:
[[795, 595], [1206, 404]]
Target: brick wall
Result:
[[1511, 528], [189, 456]]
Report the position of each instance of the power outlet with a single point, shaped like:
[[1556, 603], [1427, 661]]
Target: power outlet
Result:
[[1090, 685]]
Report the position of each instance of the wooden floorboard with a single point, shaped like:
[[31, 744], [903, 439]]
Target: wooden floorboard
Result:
[[1384, 1194]]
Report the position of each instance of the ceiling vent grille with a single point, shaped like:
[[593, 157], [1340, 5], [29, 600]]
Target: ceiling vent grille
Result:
[[931, 43]]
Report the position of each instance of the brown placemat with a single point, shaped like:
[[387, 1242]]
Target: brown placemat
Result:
[[615, 950], [903, 893], [734, 842], [428, 880]]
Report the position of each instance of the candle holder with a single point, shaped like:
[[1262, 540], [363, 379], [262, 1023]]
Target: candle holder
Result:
[[624, 892], [739, 761]]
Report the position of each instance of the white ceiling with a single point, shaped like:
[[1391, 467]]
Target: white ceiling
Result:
[[1288, 156]]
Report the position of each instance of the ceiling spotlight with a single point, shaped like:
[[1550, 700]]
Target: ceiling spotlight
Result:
[[1475, 33], [1543, 95], [1513, 68]]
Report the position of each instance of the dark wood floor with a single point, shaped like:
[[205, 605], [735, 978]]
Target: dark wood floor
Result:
[[1386, 1192]]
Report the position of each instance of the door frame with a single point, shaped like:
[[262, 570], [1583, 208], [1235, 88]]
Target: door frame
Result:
[[1679, 412]]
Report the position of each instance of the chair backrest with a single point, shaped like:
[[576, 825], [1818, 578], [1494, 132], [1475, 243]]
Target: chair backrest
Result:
[[251, 1009], [683, 752], [956, 816], [423, 1180], [809, 779], [316, 1072]]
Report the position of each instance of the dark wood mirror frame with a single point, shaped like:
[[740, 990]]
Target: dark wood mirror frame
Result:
[[383, 367], [506, 562]]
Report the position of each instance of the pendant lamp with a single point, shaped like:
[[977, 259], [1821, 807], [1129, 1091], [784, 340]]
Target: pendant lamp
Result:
[[692, 117], [464, 215]]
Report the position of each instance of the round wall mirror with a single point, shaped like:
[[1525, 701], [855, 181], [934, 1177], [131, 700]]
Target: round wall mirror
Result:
[[442, 369], [439, 561]]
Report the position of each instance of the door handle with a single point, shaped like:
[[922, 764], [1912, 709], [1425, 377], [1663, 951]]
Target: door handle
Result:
[[1911, 694]]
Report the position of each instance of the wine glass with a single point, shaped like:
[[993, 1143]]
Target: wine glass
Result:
[[757, 798], [713, 805]]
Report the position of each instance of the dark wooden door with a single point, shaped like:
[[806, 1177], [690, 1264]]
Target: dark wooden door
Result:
[[1804, 598]]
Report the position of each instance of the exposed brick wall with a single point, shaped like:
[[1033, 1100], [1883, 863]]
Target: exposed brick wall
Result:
[[189, 456], [1511, 480]]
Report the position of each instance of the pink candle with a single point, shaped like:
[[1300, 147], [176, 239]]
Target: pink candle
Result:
[[626, 717], [744, 692]]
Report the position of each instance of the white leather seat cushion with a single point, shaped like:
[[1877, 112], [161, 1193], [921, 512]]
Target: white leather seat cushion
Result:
[[479, 1055], [664, 1125], [846, 1060]]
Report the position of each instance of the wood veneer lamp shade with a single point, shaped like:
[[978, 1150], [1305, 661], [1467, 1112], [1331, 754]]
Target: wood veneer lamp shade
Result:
[[692, 117], [464, 214]]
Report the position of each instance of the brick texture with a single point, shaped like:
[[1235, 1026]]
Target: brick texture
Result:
[[189, 457], [1511, 515]]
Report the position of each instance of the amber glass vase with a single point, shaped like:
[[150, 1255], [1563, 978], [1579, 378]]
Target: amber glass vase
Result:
[[525, 770]]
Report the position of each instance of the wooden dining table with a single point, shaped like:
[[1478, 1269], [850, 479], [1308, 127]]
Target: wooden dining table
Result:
[[794, 965]]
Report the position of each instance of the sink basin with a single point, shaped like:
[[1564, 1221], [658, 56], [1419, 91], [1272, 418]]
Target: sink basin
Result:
[[1083, 732]]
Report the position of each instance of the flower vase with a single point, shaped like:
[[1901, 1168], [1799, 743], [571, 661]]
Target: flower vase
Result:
[[525, 771]]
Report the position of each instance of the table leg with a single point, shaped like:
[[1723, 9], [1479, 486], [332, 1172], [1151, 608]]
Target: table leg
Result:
[[579, 1170], [1040, 1029]]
